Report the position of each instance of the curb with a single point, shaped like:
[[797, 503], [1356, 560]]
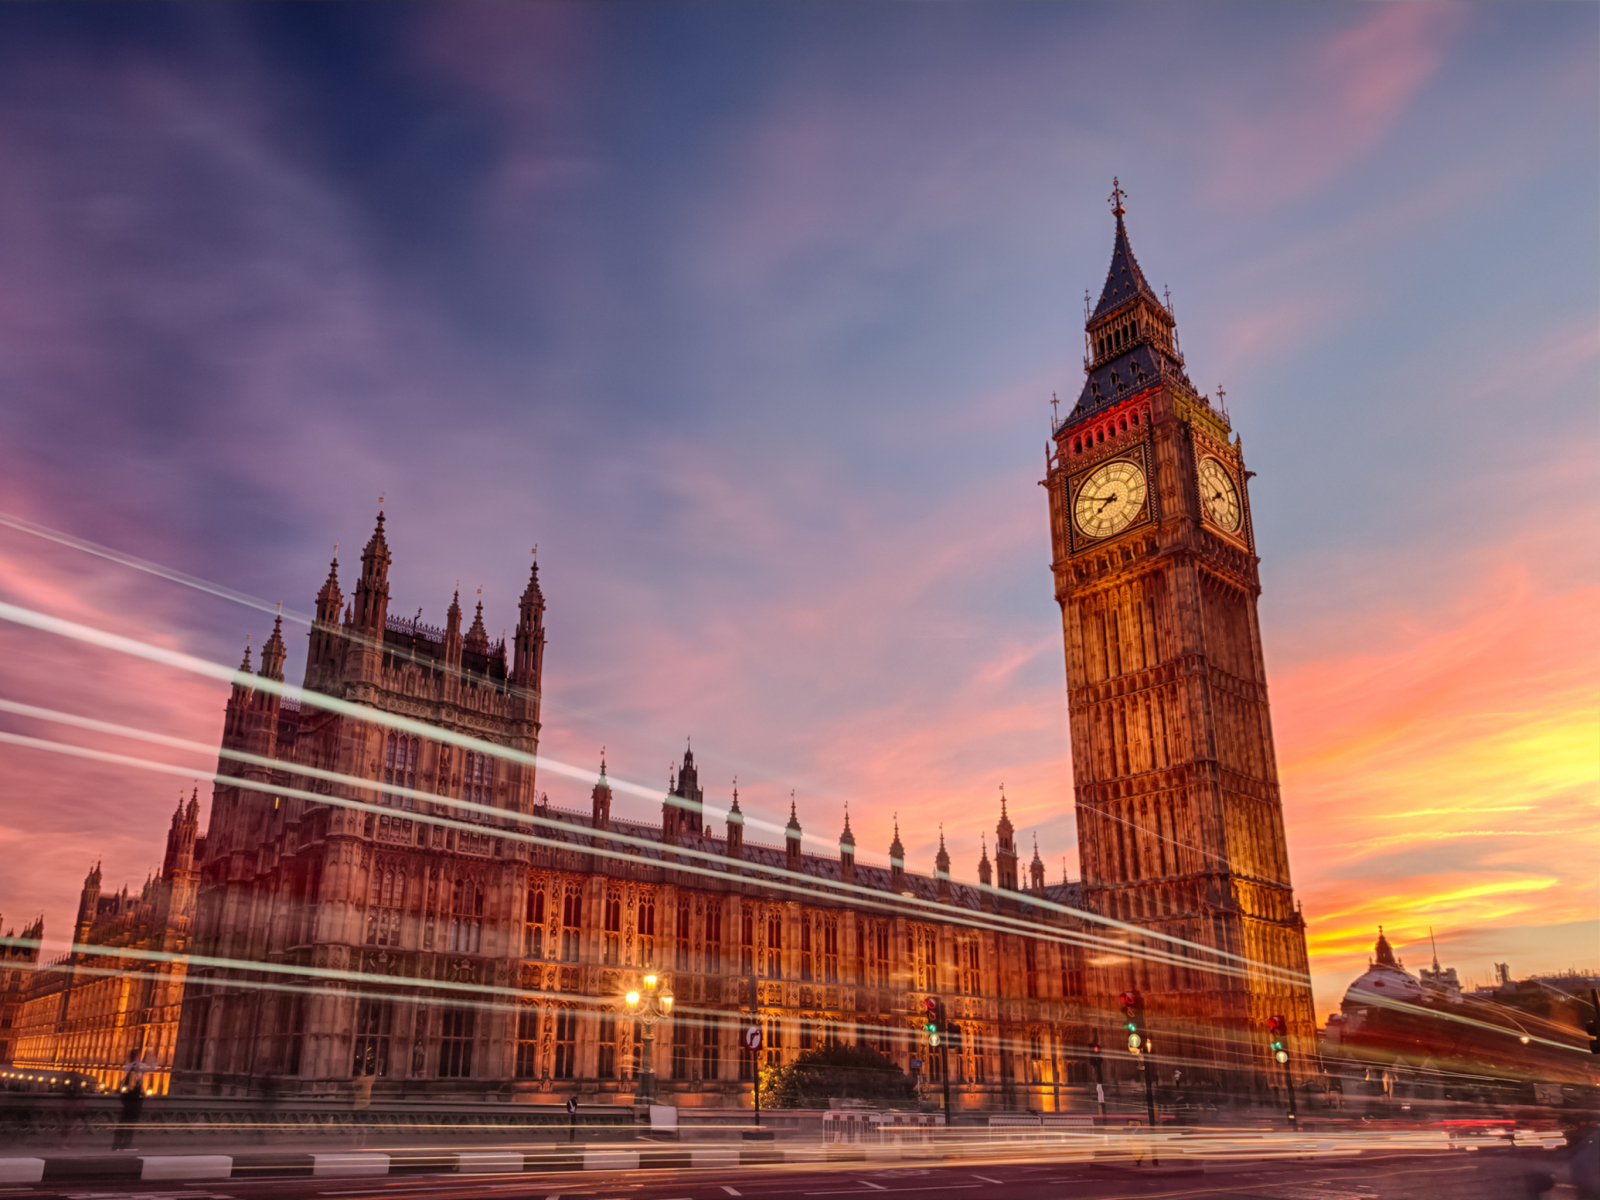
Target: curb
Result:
[[351, 1164]]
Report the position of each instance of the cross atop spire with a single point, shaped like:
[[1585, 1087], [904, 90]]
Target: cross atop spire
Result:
[[1124, 279], [1116, 197]]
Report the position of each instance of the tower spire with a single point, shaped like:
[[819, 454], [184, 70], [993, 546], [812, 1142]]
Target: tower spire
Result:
[[897, 861], [272, 654], [372, 589], [1124, 279], [528, 643]]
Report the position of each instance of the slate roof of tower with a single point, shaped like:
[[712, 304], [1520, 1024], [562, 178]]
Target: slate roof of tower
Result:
[[1124, 279], [1141, 365]]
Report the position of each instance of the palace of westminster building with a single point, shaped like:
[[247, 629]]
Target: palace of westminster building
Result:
[[381, 890]]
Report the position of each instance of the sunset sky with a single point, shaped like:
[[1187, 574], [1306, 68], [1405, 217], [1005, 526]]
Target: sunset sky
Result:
[[750, 316]]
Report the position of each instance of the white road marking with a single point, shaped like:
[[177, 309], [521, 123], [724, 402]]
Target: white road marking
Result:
[[731, 1191], [938, 1187], [986, 1179]]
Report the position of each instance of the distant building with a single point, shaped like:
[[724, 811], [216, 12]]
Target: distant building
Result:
[[115, 997], [1400, 1037], [19, 957], [1439, 981]]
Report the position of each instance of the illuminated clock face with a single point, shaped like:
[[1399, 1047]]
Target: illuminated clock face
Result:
[[1110, 499], [1218, 497]]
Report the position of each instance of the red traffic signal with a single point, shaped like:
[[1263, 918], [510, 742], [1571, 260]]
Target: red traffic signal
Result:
[[1277, 1026], [931, 1007]]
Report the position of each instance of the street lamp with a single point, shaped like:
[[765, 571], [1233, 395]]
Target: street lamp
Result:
[[648, 1005]]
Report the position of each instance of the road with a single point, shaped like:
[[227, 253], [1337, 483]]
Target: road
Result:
[[1369, 1176]]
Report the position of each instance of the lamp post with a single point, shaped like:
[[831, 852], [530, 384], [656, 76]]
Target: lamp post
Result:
[[648, 1005]]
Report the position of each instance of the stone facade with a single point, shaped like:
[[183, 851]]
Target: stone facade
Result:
[[19, 958], [115, 997], [1180, 820], [420, 914]]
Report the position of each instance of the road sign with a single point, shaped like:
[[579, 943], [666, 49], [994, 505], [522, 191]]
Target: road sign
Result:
[[752, 1038], [1134, 1042]]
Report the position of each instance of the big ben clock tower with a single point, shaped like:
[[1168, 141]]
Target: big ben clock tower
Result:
[[1180, 822]]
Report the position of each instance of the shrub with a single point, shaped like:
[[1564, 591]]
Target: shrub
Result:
[[836, 1072]]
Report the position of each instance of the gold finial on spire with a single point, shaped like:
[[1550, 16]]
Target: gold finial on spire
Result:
[[1117, 197]]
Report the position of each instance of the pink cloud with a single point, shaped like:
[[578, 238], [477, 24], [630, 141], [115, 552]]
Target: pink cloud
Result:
[[1329, 106], [62, 814]]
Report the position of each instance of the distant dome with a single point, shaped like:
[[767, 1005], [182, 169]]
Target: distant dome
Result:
[[1384, 979], [1383, 982]]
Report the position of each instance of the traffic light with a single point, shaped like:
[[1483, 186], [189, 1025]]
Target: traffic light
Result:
[[1132, 1003], [931, 1007], [1278, 1031]]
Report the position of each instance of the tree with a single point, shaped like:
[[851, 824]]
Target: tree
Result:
[[836, 1073]]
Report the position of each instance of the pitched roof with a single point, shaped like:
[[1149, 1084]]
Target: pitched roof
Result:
[[1124, 279], [817, 866]]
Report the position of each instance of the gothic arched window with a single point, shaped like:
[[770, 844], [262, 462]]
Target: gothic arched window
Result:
[[383, 907], [400, 769], [477, 781], [466, 917]]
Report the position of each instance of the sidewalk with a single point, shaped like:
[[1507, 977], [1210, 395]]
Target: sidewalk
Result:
[[1178, 1151], [131, 1165]]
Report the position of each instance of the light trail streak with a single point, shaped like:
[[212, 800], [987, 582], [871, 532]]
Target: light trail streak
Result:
[[122, 559], [23, 525], [234, 677], [718, 864]]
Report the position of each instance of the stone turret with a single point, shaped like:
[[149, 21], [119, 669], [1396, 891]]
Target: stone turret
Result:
[[273, 654], [897, 861], [735, 827], [941, 869], [453, 641], [1005, 850], [600, 799], [371, 606], [528, 654], [326, 643], [88, 906], [791, 839], [847, 851]]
